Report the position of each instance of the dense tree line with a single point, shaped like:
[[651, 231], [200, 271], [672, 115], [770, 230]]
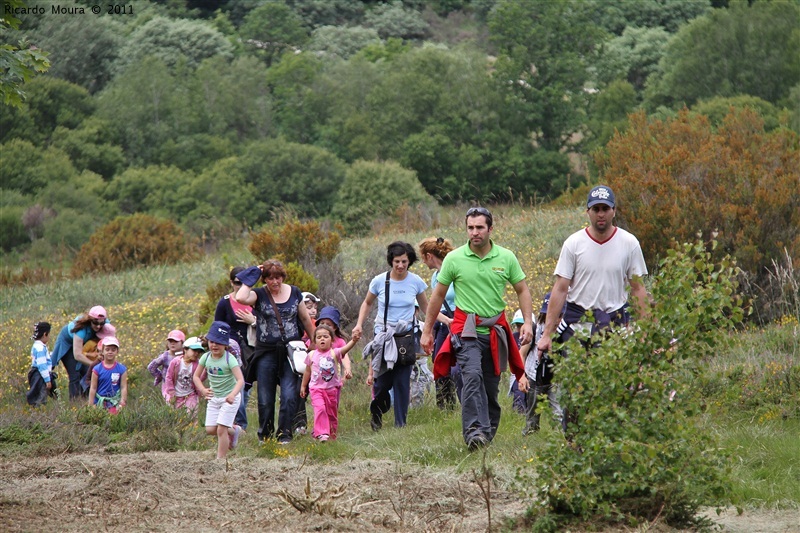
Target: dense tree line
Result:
[[218, 114]]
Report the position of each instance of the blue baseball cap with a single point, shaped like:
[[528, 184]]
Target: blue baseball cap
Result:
[[602, 194]]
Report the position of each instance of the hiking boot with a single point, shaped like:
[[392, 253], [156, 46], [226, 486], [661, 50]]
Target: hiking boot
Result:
[[376, 415], [375, 421], [476, 442]]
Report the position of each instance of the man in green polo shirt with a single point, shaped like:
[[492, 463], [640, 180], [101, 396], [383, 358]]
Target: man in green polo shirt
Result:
[[481, 340]]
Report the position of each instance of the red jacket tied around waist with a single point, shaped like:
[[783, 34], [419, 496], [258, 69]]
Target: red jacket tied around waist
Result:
[[446, 358]]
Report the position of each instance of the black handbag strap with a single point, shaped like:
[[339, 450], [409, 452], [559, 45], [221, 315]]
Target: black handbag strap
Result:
[[386, 301], [447, 307], [386, 305], [277, 314]]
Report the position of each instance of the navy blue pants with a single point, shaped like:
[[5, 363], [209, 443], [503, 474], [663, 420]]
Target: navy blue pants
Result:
[[399, 379], [272, 371]]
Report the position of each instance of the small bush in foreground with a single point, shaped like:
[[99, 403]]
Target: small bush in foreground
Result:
[[637, 451]]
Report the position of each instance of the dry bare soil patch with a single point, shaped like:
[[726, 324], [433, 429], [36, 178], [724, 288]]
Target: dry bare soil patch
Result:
[[192, 492]]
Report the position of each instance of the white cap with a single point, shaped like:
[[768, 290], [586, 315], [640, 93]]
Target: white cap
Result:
[[518, 317], [307, 296]]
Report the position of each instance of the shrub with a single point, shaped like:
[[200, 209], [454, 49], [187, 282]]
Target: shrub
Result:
[[296, 275], [738, 184], [345, 292], [214, 291], [638, 451], [12, 230], [294, 241], [374, 190], [128, 242]]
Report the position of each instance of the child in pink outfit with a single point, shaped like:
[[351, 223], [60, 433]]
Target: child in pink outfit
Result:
[[179, 386], [158, 367], [322, 383]]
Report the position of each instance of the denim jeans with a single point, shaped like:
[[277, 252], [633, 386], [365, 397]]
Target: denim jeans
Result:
[[76, 373], [241, 414], [448, 388], [272, 371], [397, 379]]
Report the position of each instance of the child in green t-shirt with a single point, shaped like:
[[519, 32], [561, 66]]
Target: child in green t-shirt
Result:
[[225, 381]]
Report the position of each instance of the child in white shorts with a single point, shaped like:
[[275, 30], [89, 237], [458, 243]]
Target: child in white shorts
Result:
[[225, 381]]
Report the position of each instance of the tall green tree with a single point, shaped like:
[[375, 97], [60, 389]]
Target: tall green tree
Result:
[[632, 56], [235, 98], [27, 168], [290, 174], [146, 106], [294, 90], [84, 50], [147, 190], [372, 190], [273, 28], [546, 47], [19, 61], [50, 103], [393, 19], [745, 49], [174, 41], [219, 200]]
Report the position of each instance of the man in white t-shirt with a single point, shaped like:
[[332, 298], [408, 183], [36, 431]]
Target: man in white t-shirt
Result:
[[595, 267]]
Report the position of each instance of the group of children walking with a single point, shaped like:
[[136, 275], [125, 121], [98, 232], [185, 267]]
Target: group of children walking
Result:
[[184, 367], [108, 385]]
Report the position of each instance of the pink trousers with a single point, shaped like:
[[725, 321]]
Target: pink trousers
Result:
[[187, 402], [326, 411]]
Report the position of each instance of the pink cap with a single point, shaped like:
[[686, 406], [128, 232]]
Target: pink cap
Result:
[[106, 331], [176, 335], [111, 341], [98, 311]]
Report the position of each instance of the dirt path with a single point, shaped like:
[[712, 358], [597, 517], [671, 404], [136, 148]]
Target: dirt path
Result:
[[189, 491]]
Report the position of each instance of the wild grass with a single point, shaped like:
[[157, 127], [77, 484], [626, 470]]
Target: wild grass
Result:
[[765, 460], [145, 304]]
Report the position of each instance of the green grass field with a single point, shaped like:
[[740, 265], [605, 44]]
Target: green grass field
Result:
[[751, 390]]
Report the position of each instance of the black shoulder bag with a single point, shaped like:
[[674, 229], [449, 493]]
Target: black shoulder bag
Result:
[[406, 347]]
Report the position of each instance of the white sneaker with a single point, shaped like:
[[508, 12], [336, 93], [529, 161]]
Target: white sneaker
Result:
[[237, 431]]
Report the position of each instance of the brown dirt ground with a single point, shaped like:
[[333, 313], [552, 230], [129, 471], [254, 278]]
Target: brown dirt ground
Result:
[[192, 492]]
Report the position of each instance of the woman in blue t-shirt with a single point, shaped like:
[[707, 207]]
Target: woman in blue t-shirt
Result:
[[405, 289], [69, 346]]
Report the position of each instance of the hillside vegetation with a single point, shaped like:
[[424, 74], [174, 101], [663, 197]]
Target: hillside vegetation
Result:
[[748, 393]]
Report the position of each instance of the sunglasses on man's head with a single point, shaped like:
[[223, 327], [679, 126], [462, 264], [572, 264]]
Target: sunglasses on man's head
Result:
[[478, 211]]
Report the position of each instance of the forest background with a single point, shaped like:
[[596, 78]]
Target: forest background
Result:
[[184, 132], [220, 116]]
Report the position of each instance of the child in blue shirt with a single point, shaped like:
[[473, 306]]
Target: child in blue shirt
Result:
[[40, 375], [109, 388]]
